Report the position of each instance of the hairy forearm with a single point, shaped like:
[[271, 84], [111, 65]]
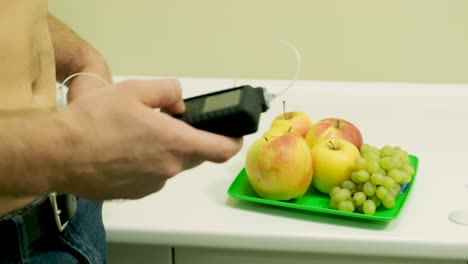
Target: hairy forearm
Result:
[[33, 146], [73, 54]]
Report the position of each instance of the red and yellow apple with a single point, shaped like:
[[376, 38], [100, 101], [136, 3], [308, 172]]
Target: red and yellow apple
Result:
[[333, 163], [279, 168], [329, 128], [295, 122]]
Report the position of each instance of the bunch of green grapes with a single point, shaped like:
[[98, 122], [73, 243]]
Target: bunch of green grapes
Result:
[[376, 181]]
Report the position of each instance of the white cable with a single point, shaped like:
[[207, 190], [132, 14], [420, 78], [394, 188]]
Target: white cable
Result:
[[298, 66], [271, 96], [85, 73], [62, 89]]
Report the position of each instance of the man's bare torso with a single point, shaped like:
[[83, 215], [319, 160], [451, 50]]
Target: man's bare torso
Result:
[[27, 69]]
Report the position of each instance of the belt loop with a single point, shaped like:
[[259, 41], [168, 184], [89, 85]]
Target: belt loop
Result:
[[14, 240]]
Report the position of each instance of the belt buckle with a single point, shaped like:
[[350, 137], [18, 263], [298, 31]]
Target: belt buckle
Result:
[[57, 211]]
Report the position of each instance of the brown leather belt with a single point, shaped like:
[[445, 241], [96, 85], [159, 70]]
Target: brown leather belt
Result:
[[47, 216]]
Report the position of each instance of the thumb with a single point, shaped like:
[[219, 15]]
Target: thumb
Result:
[[157, 93]]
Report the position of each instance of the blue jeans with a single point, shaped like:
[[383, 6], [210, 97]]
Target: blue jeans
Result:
[[82, 241]]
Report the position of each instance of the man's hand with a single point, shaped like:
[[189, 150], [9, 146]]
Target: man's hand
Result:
[[122, 148]]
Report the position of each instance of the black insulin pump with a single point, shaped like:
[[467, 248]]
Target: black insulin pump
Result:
[[232, 112]]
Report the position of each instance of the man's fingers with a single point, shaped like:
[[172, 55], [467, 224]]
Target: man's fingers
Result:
[[209, 146], [157, 93], [167, 94]]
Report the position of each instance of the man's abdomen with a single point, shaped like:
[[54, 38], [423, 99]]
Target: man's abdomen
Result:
[[27, 69]]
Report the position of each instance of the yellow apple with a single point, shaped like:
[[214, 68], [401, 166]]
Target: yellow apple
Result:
[[274, 132], [333, 162], [279, 168], [333, 128], [294, 122]]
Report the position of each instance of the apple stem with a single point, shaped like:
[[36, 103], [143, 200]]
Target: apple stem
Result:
[[266, 139], [289, 130], [338, 123], [332, 145], [284, 110]]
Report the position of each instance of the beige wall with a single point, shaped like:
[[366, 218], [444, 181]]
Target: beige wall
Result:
[[351, 40]]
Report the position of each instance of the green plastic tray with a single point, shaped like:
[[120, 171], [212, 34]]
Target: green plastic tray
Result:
[[318, 202]]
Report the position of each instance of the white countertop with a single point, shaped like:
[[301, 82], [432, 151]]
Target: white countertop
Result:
[[429, 121]]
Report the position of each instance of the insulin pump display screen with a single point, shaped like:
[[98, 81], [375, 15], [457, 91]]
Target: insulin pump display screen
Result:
[[231, 112], [222, 100]]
